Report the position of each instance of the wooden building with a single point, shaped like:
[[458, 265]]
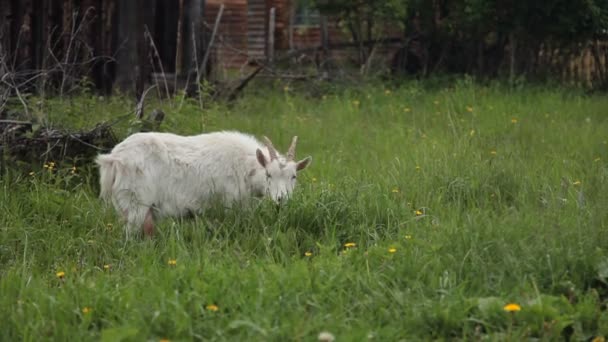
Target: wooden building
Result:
[[115, 42]]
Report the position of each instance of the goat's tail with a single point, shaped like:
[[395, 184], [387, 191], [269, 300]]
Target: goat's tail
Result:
[[108, 166]]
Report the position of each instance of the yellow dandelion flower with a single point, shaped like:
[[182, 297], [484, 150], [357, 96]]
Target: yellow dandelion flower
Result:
[[107, 267], [423, 135], [578, 182], [514, 120], [512, 307], [387, 92], [395, 190], [599, 339], [493, 152], [308, 254], [392, 250], [417, 167], [597, 159], [418, 212], [212, 307], [324, 97], [472, 132], [350, 245], [172, 262], [356, 102], [60, 274], [408, 237], [86, 310], [469, 109], [406, 109], [46, 166], [286, 88], [436, 102], [314, 179]]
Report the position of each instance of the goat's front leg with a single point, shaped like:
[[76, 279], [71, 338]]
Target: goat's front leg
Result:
[[148, 226]]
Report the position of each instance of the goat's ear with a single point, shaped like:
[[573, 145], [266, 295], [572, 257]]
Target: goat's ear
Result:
[[302, 164], [261, 158]]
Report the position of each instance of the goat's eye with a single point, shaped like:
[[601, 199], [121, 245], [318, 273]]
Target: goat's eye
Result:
[[268, 176], [293, 177]]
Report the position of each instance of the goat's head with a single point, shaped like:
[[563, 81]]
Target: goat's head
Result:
[[281, 172]]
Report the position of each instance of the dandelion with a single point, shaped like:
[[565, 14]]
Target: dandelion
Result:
[[514, 121], [50, 166], [469, 109], [86, 310], [212, 307], [493, 152], [356, 103], [350, 245], [172, 262], [314, 179], [436, 102], [418, 212], [32, 173], [597, 159], [60, 274], [512, 307], [324, 97], [286, 88], [406, 109], [107, 267], [408, 237], [387, 92], [599, 339], [423, 136], [308, 254], [109, 226], [417, 167], [575, 183], [472, 132], [395, 190], [392, 250]]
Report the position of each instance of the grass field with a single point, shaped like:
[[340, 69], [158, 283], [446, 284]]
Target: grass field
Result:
[[458, 201]]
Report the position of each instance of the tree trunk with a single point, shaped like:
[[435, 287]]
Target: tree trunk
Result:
[[192, 36], [512, 56], [131, 56]]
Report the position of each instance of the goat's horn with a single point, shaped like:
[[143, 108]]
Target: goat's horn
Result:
[[271, 149], [291, 153]]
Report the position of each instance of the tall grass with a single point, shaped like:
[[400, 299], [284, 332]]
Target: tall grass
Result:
[[459, 200]]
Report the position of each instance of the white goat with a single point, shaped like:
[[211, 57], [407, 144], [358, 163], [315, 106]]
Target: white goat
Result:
[[154, 175]]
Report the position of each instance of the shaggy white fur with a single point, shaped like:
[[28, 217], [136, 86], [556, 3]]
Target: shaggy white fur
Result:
[[153, 175]]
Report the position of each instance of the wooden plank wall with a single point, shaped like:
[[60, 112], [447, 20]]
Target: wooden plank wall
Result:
[[229, 50]]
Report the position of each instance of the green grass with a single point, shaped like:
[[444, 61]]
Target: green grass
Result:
[[488, 195]]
